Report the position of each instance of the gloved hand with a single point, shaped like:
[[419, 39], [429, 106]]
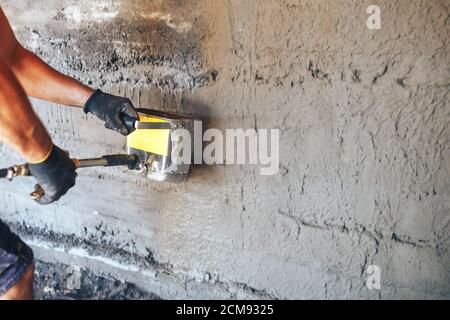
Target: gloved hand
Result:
[[113, 110], [56, 175]]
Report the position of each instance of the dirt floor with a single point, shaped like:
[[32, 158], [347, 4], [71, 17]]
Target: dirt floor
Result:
[[63, 282]]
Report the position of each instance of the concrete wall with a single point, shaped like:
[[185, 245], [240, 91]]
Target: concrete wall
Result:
[[364, 173]]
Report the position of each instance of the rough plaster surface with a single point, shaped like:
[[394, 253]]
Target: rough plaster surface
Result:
[[364, 174]]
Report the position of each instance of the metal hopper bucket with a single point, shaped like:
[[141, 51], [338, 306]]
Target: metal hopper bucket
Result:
[[154, 142]]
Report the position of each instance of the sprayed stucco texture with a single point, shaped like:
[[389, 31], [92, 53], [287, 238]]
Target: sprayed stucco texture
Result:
[[364, 150]]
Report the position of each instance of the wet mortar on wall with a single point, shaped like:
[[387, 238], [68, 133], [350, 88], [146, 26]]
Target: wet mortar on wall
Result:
[[364, 151]]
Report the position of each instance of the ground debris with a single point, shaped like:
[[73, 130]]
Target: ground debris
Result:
[[62, 282]]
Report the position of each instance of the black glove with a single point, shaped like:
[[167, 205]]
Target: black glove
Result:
[[117, 112], [56, 175]]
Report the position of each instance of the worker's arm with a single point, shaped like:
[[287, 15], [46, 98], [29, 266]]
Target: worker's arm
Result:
[[19, 125], [41, 81], [37, 78], [23, 131]]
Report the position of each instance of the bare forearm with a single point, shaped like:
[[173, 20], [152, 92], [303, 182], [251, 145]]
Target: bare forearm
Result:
[[19, 125], [43, 82]]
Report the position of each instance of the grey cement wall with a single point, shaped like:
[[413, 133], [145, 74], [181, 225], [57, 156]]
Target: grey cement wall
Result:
[[364, 173]]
